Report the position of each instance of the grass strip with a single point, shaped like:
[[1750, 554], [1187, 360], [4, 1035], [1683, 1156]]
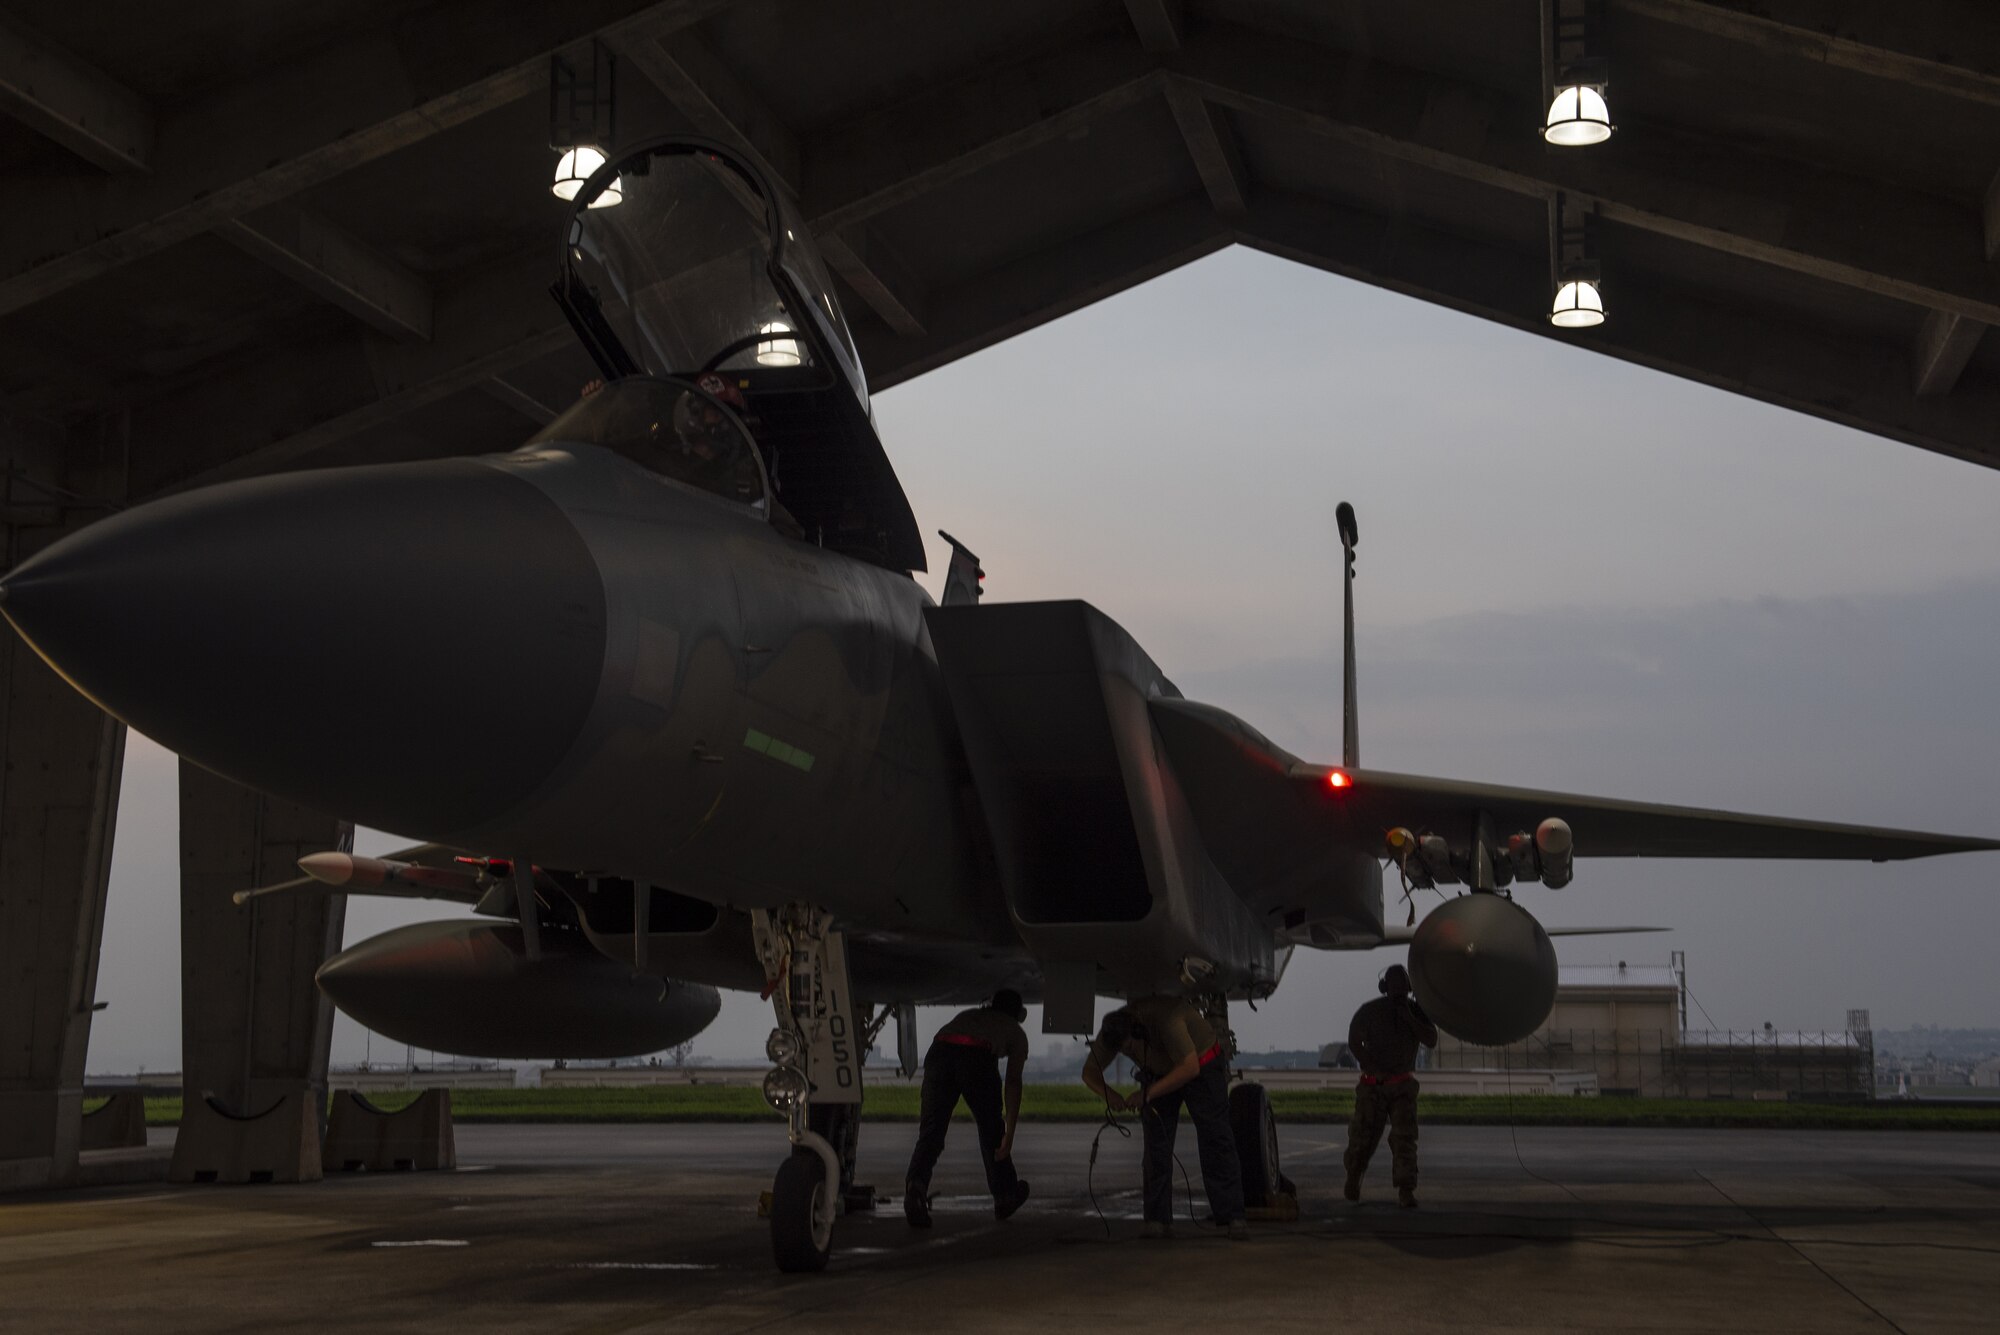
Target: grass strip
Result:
[[1073, 1103]]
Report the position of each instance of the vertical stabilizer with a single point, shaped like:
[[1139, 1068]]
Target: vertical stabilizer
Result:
[[961, 579], [1350, 731]]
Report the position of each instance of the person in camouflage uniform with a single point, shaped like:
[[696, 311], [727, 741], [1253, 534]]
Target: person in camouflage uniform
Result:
[[1384, 1038]]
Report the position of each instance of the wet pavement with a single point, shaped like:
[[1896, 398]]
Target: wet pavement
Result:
[[613, 1228]]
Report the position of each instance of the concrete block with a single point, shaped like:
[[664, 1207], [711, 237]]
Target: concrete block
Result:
[[119, 1124], [219, 1144], [360, 1135]]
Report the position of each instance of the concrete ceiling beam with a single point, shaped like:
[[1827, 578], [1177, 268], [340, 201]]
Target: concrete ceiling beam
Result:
[[714, 100], [1897, 42], [302, 123], [1031, 290], [87, 112], [895, 154], [336, 267], [1736, 347], [1211, 142], [1158, 23], [878, 275], [1808, 218], [718, 104], [275, 412], [1944, 347], [1990, 216]]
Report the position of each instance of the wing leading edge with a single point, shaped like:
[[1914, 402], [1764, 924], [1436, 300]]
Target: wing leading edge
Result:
[[1608, 828], [1236, 772]]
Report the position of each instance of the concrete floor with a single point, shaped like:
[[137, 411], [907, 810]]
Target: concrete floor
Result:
[[612, 1228]]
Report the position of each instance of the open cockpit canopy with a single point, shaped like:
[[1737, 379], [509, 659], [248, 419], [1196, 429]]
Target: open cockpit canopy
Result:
[[701, 266]]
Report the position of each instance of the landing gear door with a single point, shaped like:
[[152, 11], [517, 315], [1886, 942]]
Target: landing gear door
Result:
[[834, 1064]]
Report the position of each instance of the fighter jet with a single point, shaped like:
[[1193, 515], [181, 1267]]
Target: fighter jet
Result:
[[663, 690]]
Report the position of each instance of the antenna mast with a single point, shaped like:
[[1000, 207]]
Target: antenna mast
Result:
[[1350, 734]]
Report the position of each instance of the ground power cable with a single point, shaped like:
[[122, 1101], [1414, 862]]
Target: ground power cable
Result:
[[1798, 1252], [1110, 1123], [1513, 1137]]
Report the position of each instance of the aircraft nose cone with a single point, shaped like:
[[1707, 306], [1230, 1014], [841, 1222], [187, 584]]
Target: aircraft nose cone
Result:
[[413, 646]]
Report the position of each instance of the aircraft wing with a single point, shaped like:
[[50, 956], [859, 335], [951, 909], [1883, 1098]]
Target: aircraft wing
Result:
[[1263, 812], [1398, 934], [1608, 828]]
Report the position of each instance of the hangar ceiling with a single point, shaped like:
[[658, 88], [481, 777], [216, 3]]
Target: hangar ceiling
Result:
[[242, 237]]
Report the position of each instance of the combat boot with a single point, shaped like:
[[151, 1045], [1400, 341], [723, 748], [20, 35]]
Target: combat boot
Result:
[[1005, 1209], [1406, 1197], [1352, 1190], [916, 1204]]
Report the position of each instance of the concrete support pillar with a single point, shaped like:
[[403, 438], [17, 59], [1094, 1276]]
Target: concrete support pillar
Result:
[[255, 1032], [58, 807], [61, 759]]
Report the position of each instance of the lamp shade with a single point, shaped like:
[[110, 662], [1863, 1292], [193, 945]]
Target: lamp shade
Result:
[[777, 351], [1577, 305], [575, 167], [1578, 115]]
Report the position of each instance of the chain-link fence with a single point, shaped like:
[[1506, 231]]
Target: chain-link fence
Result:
[[1697, 1064]]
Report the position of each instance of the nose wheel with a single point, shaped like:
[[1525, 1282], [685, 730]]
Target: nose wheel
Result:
[[815, 1051], [801, 1222]]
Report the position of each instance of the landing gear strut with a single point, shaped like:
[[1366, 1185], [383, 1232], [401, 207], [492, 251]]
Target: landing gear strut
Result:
[[815, 1079]]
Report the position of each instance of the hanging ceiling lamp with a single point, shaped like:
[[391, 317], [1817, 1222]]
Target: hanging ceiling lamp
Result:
[[574, 167], [1578, 116], [582, 115], [1573, 263], [777, 351], [1575, 73], [1578, 305]]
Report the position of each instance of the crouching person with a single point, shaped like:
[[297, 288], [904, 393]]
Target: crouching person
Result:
[[964, 1063], [1180, 1061]]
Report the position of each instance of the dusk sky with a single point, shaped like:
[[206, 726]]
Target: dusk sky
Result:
[[1574, 573]]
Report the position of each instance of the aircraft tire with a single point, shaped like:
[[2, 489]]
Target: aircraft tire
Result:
[[1255, 1129], [798, 1244]]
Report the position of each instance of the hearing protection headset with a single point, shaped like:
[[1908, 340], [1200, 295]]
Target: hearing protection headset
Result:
[[1394, 973], [1008, 1002]]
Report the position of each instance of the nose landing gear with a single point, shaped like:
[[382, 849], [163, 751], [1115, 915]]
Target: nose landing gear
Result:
[[815, 1052]]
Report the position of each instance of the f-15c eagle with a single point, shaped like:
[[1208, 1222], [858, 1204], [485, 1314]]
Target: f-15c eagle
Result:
[[669, 702]]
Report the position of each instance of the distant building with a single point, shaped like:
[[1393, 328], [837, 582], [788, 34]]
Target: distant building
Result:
[[1986, 1074], [1628, 1024]]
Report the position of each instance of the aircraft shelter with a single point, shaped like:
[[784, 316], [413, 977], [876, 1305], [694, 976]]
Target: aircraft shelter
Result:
[[249, 238]]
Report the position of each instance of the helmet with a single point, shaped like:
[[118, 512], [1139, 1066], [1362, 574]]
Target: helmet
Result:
[[700, 424], [719, 387]]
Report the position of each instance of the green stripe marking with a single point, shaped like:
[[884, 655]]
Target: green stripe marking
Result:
[[783, 752]]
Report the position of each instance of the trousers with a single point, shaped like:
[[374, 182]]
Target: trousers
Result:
[[1207, 1100], [953, 1072], [1376, 1106]]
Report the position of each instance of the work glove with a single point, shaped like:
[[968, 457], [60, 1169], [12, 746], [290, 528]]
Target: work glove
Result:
[[1418, 1011]]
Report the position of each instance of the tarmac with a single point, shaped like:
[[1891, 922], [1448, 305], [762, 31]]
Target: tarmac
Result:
[[629, 1228]]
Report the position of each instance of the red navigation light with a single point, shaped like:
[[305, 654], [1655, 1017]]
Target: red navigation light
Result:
[[1338, 778]]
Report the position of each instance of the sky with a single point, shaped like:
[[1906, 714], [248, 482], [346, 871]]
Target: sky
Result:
[[1573, 573]]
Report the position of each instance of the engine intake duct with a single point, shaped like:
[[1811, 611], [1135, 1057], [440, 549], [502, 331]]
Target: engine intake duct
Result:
[[1092, 833]]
